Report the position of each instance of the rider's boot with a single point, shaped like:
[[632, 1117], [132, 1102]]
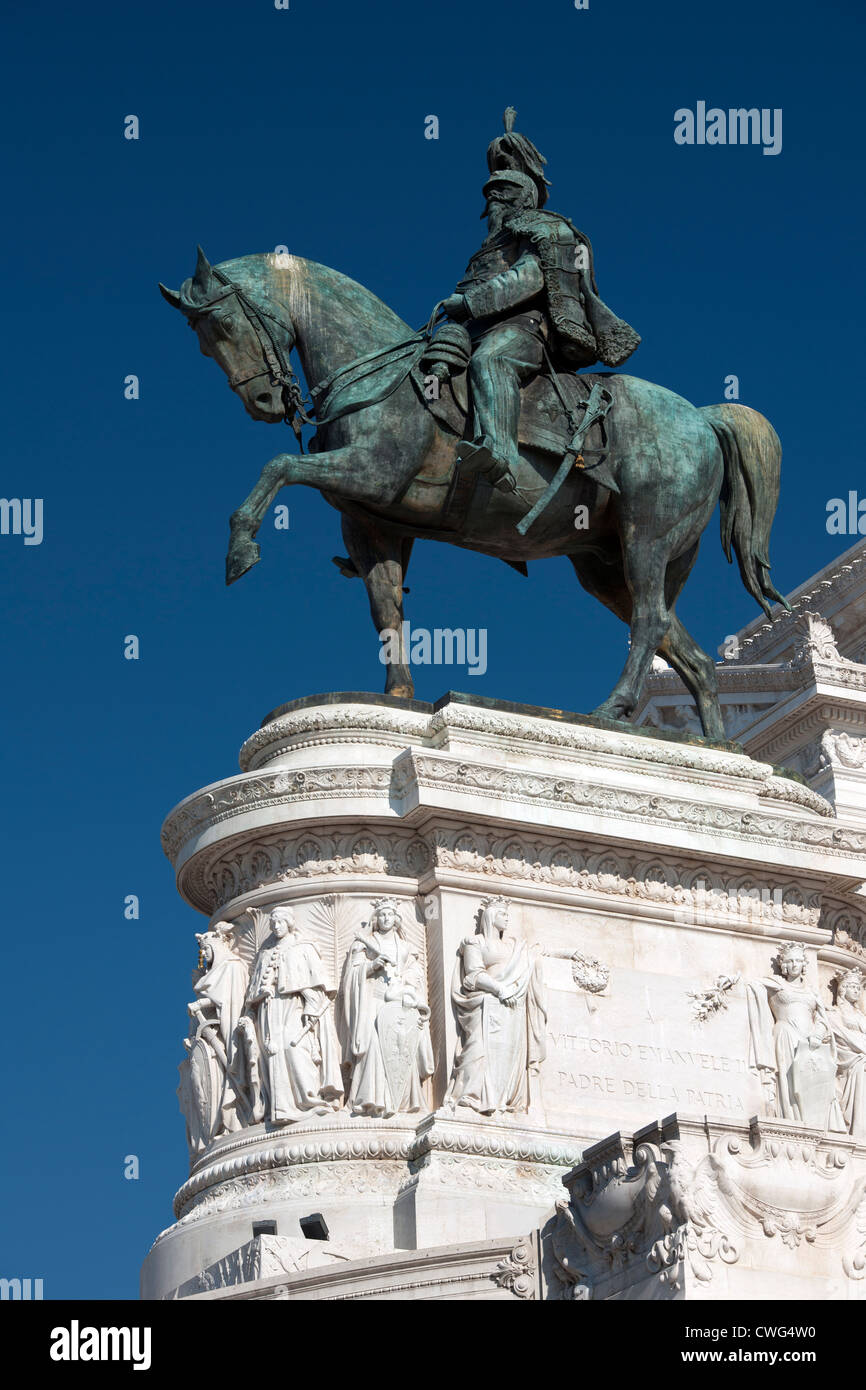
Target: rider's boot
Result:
[[496, 401], [485, 456]]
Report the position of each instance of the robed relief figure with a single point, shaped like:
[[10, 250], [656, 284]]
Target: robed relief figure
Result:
[[385, 1017], [792, 1045], [498, 998], [289, 998], [207, 1094], [849, 1031]]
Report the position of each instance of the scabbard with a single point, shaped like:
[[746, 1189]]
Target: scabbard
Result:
[[549, 492]]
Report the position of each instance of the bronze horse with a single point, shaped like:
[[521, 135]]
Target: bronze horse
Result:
[[669, 463]]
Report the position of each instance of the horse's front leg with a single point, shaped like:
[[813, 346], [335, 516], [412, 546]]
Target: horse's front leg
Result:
[[351, 472], [244, 523]]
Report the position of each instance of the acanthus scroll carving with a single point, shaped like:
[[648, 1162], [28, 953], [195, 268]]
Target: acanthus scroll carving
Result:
[[517, 1272]]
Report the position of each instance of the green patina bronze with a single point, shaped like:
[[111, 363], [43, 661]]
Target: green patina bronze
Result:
[[477, 430]]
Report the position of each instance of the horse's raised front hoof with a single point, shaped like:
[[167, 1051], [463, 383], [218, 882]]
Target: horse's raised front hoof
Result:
[[244, 552]]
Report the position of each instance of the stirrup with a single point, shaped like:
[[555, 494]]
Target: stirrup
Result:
[[479, 458]]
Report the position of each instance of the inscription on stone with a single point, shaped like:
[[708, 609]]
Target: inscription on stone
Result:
[[619, 1060]]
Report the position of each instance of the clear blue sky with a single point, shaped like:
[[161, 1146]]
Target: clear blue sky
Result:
[[305, 127]]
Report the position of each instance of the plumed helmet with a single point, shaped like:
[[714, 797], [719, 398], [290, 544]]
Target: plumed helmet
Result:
[[514, 152], [513, 177]]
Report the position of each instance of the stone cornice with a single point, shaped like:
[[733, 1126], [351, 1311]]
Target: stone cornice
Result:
[[409, 1139], [780, 737], [223, 801], [839, 580], [330, 724], [423, 771], [528, 772]]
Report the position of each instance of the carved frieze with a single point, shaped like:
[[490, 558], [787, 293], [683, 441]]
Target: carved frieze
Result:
[[277, 859], [698, 895]]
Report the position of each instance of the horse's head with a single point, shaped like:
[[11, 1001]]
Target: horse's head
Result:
[[244, 331]]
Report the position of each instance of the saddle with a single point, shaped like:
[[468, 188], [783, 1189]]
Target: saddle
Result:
[[548, 411], [544, 424]]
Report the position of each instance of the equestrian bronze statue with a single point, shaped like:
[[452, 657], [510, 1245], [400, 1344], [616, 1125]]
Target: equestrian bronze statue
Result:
[[478, 430]]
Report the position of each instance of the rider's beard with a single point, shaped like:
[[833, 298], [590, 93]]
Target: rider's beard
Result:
[[496, 215]]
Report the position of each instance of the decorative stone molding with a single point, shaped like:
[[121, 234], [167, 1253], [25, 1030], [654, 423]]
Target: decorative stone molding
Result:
[[814, 642], [269, 860], [477, 1175], [264, 1257], [577, 738], [229, 799], [696, 894], [833, 590], [842, 750], [311, 1180], [326, 725], [573, 864], [466, 1271], [504, 785], [845, 918], [784, 1181], [358, 1141], [617, 1214]]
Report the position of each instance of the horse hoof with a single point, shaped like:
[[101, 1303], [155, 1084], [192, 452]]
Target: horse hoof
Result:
[[402, 692], [611, 709], [243, 554]]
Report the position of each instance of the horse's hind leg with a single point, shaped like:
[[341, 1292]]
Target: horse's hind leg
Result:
[[644, 574], [606, 582], [381, 558], [694, 667], [697, 672]]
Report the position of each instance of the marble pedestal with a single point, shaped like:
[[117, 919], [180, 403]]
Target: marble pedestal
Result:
[[653, 880]]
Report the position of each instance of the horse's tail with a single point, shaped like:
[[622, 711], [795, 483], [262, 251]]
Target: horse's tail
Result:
[[750, 493]]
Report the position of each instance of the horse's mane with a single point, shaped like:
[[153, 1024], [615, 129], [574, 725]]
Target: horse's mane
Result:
[[289, 274]]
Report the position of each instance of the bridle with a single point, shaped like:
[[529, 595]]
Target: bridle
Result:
[[277, 364], [279, 368]]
